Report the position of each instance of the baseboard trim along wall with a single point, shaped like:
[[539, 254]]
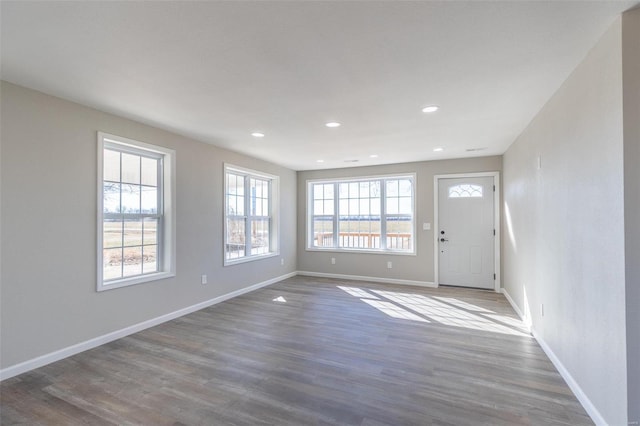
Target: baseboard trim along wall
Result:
[[364, 278], [573, 385], [43, 360], [526, 320]]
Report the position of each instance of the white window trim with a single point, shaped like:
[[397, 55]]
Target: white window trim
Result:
[[167, 234], [385, 251], [274, 205]]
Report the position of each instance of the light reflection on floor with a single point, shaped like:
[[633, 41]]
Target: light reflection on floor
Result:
[[437, 309]]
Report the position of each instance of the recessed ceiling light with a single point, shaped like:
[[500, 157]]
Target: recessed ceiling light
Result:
[[319, 161], [373, 156], [438, 149], [257, 135], [333, 124], [430, 108]]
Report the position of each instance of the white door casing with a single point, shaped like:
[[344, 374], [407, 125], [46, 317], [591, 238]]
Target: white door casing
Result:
[[467, 230]]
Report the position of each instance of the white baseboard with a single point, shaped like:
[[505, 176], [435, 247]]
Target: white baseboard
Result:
[[573, 385], [525, 320], [373, 279], [43, 360]]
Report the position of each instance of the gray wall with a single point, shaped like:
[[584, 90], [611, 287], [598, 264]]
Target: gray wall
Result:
[[563, 236], [405, 267], [48, 175], [631, 102]]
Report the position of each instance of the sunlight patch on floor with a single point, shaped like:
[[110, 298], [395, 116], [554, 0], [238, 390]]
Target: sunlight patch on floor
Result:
[[444, 310]]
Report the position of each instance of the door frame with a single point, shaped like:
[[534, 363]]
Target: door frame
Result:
[[496, 222]]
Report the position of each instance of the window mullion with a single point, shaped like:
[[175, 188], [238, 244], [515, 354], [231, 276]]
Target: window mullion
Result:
[[247, 215], [336, 215], [160, 246], [383, 214]]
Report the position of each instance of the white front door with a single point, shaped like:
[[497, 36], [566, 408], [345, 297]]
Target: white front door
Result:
[[466, 232]]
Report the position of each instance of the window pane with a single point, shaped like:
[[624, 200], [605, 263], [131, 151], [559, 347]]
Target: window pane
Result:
[[318, 207], [238, 187], [130, 168], [374, 189], [375, 206], [132, 261], [111, 264], [392, 206], [322, 232], [112, 233], [353, 207], [111, 165], [392, 188], [328, 191], [149, 199], [111, 197], [130, 198], [405, 205], [399, 233], [465, 191], [149, 171], [363, 232], [344, 207], [149, 259], [235, 246], [318, 192], [364, 206], [343, 190], [354, 190], [404, 188], [328, 206], [256, 207], [239, 205], [260, 236], [133, 232], [150, 231]]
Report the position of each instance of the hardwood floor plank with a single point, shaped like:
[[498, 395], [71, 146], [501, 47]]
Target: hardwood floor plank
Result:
[[311, 351]]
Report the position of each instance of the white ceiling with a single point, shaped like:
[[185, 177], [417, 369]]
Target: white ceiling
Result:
[[217, 71]]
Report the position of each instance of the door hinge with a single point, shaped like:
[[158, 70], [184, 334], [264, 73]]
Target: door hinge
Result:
[[494, 276], [494, 232], [494, 188]]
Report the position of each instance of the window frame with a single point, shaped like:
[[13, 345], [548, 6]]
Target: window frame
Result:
[[309, 216], [166, 228], [273, 213]]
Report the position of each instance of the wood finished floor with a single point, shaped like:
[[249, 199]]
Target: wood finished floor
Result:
[[310, 351]]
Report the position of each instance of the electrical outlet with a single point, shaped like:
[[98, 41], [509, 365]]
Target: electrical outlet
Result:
[[389, 265], [204, 279], [282, 261], [333, 260], [426, 226]]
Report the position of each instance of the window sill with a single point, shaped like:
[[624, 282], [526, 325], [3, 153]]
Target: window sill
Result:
[[125, 282], [231, 262]]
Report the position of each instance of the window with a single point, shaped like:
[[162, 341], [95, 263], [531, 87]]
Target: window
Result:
[[371, 214], [135, 219], [465, 191], [250, 223]]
